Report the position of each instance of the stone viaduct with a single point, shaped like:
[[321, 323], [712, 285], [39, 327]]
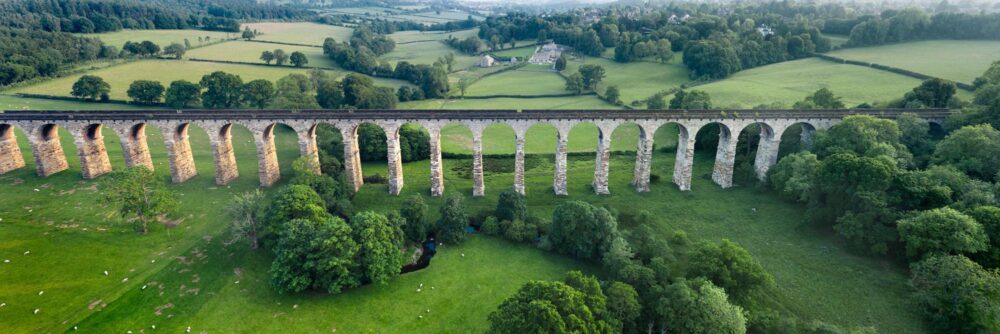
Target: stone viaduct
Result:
[[85, 126]]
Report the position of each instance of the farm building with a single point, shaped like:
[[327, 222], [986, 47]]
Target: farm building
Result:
[[546, 54], [485, 61]]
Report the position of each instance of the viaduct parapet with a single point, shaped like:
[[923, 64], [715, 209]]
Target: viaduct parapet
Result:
[[85, 126]]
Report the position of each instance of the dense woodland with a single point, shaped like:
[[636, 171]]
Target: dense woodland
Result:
[[26, 54]]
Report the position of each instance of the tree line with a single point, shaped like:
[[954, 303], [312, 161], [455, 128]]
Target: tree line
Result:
[[357, 56], [27, 54], [894, 26], [893, 188]]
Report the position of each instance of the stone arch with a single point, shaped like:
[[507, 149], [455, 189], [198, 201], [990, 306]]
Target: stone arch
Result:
[[581, 139], [48, 132], [937, 130], [10, 153], [136, 131], [628, 138], [266, 136], [798, 136], [753, 143]]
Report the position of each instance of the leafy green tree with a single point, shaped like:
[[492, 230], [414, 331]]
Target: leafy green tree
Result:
[[258, 93], [550, 307], [454, 220], [298, 59], [248, 211], [560, 64], [957, 295], [582, 230], [864, 136], [330, 94], [294, 91], [293, 202], [941, 231], [795, 175], [222, 90], [138, 195], [463, 85], [182, 94], [711, 59], [730, 267], [973, 149], [414, 211], [511, 206], [574, 83], [656, 102], [612, 95], [267, 57], [697, 307], [145, 91], [932, 93], [314, 254], [379, 254], [695, 99], [989, 218], [175, 49], [850, 192], [821, 99], [280, 57], [915, 134], [592, 75], [91, 87], [623, 306], [247, 34], [414, 143]]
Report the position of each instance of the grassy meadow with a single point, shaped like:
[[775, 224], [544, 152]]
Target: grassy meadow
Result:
[[954, 60], [571, 102], [249, 52], [636, 80], [409, 36], [162, 37], [299, 32], [529, 80], [426, 52]]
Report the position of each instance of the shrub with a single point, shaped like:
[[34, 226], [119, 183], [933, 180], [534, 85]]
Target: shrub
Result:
[[454, 219], [491, 226], [511, 206], [520, 231]]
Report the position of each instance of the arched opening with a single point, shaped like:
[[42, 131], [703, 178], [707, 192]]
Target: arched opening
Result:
[[499, 149], [49, 132], [330, 146], [415, 153], [373, 150], [540, 143], [748, 144], [936, 130], [286, 146], [665, 140], [580, 161], [181, 131], [244, 151], [706, 148], [137, 131], [93, 132], [796, 137], [624, 149], [6, 132], [456, 148]]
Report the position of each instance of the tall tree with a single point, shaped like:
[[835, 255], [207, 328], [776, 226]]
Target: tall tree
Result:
[[280, 57], [941, 231], [91, 87], [222, 90], [299, 59], [315, 254], [138, 195], [175, 49], [145, 91], [267, 57], [379, 254], [247, 211], [454, 219], [258, 93], [182, 94]]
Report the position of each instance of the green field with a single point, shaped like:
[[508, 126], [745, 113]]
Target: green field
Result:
[[249, 52], [791, 81], [960, 61], [527, 81], [209, 286], [427, 53], [414, 35], [637, 80], [10, 102], [299, 32], [160, 37], [165, 71], [573, 102], [541, 139], [522, 53]]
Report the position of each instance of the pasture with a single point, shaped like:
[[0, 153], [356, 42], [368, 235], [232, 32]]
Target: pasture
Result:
[[788, 82], [299, 32], [527, 81], [249, 52], [409, 36], [636, 80], [209, 285], [571, 102], [165, 71], [960, 61], [426, 52], [162, 37]]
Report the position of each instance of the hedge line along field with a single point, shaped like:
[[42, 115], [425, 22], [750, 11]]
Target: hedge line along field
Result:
[[791, 81], [249, 52], [165, 71], [10, 102], [636, 80], [162, 37], [299, 32], [208, 285], [426, 52], [954, 60]]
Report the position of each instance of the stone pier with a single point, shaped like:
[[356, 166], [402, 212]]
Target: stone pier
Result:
[[559, 182], [352, 155], [175, 136], [725, 156], [603, 156], [437, 174], [268, 170], [767, 151], [221, 138], [46, 149], [394, 156], [519, 162], [684, 159], [308, 147], [478, 186], [643, 159], [90, 148], [10, 153], [134, 146]]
